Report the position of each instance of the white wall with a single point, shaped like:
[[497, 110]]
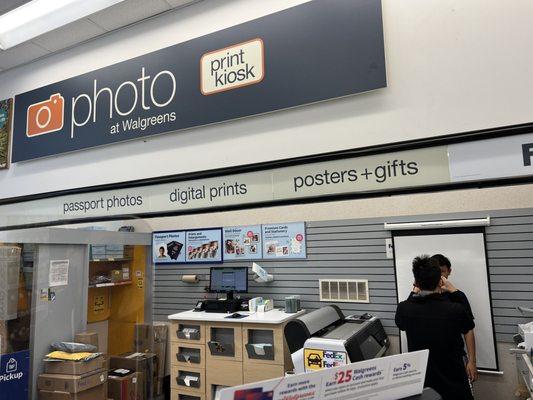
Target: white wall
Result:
[[452, 66]]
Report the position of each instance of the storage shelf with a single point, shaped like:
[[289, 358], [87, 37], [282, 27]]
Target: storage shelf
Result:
[[109, 284]]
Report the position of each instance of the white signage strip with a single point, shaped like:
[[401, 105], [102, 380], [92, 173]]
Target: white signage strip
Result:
[[504, 157], [411, 168], [387, 378]]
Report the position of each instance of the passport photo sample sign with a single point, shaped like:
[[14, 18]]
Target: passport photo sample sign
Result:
[[168, 247], [304, 54]]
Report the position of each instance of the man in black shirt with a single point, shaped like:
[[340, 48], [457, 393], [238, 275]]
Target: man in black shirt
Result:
[[458, 296], [431, 321]]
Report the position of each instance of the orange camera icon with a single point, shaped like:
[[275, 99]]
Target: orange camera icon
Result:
[[46, 116]]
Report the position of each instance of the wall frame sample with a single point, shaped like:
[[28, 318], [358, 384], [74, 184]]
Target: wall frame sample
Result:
[[168, 247], [6, 115], [204, 245], [243, 242], [284, 240]]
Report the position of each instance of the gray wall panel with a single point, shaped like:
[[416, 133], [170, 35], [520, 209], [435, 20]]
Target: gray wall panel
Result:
[[356, 249]]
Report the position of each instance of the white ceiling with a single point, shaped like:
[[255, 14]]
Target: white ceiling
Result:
[[118, 16]]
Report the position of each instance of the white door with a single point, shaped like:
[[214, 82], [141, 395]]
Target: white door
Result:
[[466, 252]]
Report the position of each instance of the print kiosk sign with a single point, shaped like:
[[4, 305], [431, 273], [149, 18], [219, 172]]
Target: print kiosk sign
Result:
[[241, 71]]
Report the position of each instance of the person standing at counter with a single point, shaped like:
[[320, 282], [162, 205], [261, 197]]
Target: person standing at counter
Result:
[[457, 296], [431, 321]]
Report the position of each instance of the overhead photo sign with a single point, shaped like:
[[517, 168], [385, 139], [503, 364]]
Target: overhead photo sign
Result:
[[244, 70]]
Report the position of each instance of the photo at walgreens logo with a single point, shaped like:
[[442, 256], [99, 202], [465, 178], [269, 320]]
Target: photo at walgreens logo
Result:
[[104, 102], [241, 71]]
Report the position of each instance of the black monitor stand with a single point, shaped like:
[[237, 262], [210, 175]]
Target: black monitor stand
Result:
[[230, 295]]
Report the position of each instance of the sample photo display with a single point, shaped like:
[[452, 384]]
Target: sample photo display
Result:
[[168, 247], [243, 242], [5, 118], [204, 245], [284, 240]]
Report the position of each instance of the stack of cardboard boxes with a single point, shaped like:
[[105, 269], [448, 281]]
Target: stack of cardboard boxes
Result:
[[131, 376], [75, 380]]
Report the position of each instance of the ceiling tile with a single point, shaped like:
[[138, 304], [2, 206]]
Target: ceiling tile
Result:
[[181, 3], [8, 5], [20, 54], [69, 35], [128, 12]]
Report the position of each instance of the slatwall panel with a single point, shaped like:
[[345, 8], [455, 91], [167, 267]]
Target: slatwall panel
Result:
[[356, 249]]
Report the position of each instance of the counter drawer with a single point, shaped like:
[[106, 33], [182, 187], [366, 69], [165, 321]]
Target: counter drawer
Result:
[[188, 379], [187, 332], [184, 395], [263, 344], [224, 342], [188, 355]]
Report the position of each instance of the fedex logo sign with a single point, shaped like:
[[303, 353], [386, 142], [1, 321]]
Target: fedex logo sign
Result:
[[48, 116]]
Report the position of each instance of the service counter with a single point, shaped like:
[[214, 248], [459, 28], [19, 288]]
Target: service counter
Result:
[[210, 351]]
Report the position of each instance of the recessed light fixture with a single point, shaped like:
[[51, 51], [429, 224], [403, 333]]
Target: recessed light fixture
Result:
[[41, 16]]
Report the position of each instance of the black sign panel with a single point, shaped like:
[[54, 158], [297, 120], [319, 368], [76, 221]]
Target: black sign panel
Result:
[[312, 52]]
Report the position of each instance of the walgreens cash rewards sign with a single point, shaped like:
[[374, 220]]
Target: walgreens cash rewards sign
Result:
[[241, 71]]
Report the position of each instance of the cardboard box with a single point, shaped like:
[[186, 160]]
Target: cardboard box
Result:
[[96, 393], [145, 363], [87, 338], [153, 339], [71, 383], [74, 367], [129, 387], [144, 338]]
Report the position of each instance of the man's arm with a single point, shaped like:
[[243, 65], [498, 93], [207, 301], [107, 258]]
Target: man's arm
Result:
[[471, 367], [398, 318]]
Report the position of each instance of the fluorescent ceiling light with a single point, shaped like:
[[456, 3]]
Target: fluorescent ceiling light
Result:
[[456, 223], [41, 16]]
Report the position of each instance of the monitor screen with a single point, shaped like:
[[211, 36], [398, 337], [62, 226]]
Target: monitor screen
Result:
[[229, 280]]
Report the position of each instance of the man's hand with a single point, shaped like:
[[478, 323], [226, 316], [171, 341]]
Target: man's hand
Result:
[[447, 286], [471, 370], [415, 289]]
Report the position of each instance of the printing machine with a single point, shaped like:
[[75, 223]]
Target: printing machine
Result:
[[325, 338], [330, 339], [524, 351]]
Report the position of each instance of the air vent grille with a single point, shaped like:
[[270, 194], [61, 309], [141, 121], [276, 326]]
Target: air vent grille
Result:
[[344, 290]]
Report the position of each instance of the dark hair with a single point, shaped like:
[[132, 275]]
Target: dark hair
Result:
[[443, 261], [162, 248], [426, 272]]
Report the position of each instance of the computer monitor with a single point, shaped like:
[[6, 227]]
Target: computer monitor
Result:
[[229, 280]]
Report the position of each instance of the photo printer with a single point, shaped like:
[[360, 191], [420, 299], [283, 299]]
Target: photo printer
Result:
[[325, 338]]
